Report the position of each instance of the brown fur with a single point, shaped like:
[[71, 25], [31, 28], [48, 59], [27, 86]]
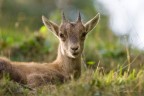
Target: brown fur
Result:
[[68, 62]]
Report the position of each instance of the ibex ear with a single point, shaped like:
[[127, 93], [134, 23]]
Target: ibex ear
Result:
[[50, 25], [92, 23]]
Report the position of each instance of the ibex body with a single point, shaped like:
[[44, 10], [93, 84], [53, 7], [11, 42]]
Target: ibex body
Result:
[[71, 37]]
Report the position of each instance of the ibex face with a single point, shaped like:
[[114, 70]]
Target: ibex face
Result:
[[71, 34]]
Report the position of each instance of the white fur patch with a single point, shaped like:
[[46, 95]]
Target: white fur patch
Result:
[[70, 55], [62, 51]]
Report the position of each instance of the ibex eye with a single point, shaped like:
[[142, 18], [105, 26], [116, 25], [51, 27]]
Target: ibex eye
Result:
[[83, 34], [61, 35]]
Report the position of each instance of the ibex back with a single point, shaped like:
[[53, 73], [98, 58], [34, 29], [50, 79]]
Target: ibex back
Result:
[[71, 37]]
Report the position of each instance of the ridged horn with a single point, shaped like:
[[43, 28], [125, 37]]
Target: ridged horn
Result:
[[79, 17], [63, 17]]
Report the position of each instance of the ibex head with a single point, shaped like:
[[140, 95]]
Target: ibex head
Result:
[[71, 34]]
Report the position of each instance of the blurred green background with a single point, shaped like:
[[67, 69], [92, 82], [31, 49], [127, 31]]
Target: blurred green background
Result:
[[24, 38]]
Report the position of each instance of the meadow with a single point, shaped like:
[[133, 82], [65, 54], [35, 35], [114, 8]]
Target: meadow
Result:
[[113, 67]]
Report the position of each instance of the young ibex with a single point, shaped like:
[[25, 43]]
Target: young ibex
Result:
[[71, 37]]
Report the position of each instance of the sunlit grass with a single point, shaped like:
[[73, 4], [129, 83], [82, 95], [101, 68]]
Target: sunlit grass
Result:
[[91, 83]]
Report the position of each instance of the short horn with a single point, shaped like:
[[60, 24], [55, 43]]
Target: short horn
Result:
[[63, 17], [79, 17]]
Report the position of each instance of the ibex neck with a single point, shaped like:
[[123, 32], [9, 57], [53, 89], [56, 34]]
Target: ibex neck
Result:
[[72, 65]]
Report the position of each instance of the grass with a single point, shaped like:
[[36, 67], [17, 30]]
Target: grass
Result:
[[113, 69], [91, 83]]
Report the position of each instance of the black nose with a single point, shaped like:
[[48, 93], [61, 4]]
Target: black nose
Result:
[[74, 48]]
